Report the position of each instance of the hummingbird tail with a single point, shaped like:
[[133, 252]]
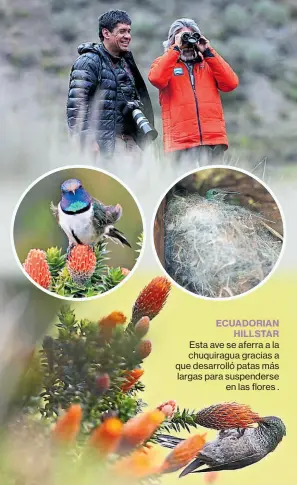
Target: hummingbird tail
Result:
[[192, 467], [168, 441], [117, 236]]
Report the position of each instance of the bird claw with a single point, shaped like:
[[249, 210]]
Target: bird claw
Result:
[[241, 432], [92, 246], [69, 249]]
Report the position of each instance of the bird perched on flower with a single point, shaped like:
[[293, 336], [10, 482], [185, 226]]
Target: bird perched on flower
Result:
[[234, 448], [84, 219]]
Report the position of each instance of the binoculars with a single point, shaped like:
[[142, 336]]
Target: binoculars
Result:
[[190, 38]]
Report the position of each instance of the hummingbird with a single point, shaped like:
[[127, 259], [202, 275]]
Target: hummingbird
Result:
[[218, 194], [84, 219], [234, 448]]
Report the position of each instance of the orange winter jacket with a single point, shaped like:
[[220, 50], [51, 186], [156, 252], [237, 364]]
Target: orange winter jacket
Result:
[[192, 112]]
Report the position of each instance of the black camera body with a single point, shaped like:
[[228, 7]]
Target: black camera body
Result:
[[133, 109], [190, 38]]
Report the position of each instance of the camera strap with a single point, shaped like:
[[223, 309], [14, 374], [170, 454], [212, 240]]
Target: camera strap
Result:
[[135, 95]]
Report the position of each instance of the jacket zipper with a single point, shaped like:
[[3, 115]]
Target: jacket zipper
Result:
[[192, 79]]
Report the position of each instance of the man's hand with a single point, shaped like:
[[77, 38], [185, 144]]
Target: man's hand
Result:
[[177, 40], [203, 44]]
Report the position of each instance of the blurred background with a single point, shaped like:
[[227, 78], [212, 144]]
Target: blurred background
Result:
[[36, 227]]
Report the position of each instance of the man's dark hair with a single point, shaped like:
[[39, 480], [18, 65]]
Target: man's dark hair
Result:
[[110, 19]]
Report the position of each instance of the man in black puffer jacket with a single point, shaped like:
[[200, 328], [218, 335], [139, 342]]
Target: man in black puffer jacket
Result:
[[103, 79]]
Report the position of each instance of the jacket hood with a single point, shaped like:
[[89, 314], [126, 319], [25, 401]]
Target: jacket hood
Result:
[[88, 47]]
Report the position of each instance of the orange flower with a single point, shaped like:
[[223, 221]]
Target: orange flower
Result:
[[105, 438], [67, 426], [140, 464], [132, 377], [107, 324], [226, 416], [152, 299], [142, 327], [183, 453], [140, 428], [37, 267], [81, 263], [113, 319], [168, 408], [144, 348]]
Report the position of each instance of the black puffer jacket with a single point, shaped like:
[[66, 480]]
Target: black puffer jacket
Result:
[[92, 96]]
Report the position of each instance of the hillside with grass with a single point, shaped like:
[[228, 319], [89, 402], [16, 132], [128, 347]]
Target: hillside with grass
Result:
[[258, 38]]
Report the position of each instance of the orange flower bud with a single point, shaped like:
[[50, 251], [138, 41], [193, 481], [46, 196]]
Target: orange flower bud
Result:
[[151, 299], [37, 268], [168, 408], [140, 428], [132, 377], [226, 416], [67, 426], [105, 438], [142, 327], [81, 263], [183, 453], [144, 348]]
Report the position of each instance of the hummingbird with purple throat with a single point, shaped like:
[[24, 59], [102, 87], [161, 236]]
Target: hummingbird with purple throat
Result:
[[84, 219]]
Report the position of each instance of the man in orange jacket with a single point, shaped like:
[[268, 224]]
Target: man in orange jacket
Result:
[[189, 77]]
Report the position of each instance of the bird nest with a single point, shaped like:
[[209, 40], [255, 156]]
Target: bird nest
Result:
[[216, 249]]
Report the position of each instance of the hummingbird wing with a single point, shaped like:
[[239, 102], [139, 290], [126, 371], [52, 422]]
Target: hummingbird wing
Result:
[[117, 236], [104, 215], [230, 465], [55, 211], [104, 218]]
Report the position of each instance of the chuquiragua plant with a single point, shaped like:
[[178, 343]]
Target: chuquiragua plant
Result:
[[98, 364], [82, 273], [79, 404]]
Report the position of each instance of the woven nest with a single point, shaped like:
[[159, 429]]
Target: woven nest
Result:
[[215, 249]]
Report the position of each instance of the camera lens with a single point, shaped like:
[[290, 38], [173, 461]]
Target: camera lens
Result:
[[144, 125]]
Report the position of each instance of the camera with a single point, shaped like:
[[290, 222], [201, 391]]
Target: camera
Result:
[[132, 108], [190, 39]]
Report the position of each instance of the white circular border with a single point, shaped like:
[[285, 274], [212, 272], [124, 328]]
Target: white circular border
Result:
[[73, 167], [231, 167]]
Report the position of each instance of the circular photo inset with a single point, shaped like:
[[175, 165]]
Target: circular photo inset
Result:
[[218, 232], [77, 232]]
